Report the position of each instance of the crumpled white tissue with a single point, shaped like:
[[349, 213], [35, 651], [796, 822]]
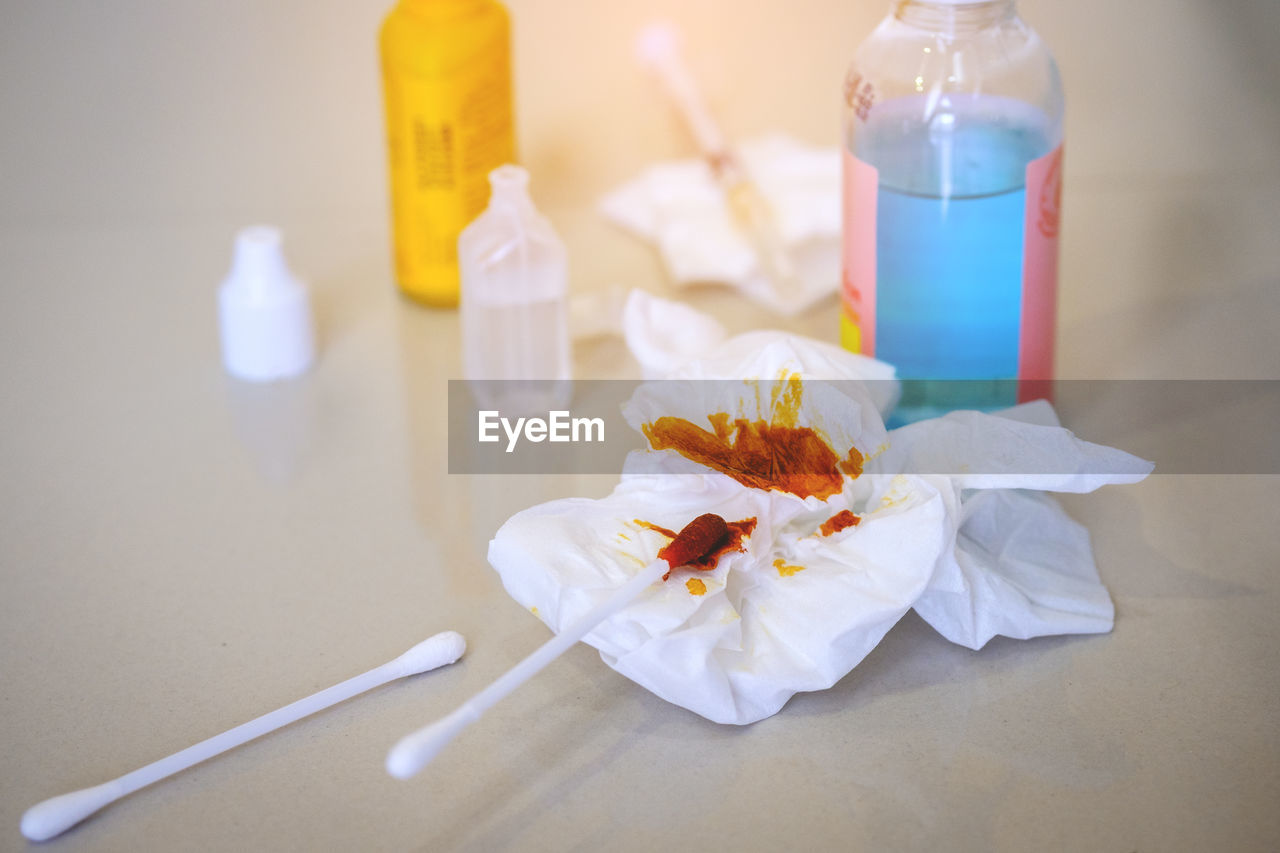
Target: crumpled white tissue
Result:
[[951, 521], [766, 354], [758, 377], [795, 611], [674, 340], [1019, 566], [664, 335], [679, 207]]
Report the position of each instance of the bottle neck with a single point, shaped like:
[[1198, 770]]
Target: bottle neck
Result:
[[509, 188], [954, 18]]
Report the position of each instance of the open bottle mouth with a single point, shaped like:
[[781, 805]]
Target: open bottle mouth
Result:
[[509, 181], [959, 16]]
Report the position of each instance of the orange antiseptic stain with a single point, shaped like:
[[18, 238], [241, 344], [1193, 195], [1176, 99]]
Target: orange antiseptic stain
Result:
[[695, 586], [648, 525], [702, 542], [842, 519], [785, 401], [784, 569], [759, 455]]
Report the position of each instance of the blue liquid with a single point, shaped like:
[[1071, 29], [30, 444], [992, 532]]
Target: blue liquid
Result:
[[949, 284], [949, 245]]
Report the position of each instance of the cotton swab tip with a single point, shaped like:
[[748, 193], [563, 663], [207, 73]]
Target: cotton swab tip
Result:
[[657, 43], [434, 652], [55, 816], [415, 751]]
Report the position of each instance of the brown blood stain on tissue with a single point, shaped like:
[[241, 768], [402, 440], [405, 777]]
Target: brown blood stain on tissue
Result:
[[775, 454], [842, 519], [702, 542]]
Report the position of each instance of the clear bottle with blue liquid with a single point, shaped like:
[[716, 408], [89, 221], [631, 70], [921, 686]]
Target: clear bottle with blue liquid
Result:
[[953, 165]]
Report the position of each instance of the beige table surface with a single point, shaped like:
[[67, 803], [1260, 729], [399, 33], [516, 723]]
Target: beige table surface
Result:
[[180, 552]]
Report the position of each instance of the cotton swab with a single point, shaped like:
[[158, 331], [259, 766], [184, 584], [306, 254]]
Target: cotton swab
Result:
[[54, 816], [414, 751], [658, 46], [698, 539]]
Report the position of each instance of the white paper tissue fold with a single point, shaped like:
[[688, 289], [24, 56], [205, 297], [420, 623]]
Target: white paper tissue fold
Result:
[[839, 545], [679, 208]]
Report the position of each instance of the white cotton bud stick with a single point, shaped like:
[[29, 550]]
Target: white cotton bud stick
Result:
[[658, 47], [54, 816], [415, 750]]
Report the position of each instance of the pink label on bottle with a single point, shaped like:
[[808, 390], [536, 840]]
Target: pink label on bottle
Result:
[[858, 284], [1039, 275]]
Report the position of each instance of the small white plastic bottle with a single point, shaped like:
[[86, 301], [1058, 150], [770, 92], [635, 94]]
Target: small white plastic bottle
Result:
[[515, 334]]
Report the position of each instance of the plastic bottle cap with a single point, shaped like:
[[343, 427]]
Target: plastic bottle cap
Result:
[[264, 312]]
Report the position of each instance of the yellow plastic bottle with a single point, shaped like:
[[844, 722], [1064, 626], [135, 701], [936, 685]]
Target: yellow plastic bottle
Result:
[[446, 75]]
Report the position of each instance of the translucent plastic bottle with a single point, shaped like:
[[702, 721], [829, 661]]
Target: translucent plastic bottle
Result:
[[515, 334], [446, 74], [953, 159]]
